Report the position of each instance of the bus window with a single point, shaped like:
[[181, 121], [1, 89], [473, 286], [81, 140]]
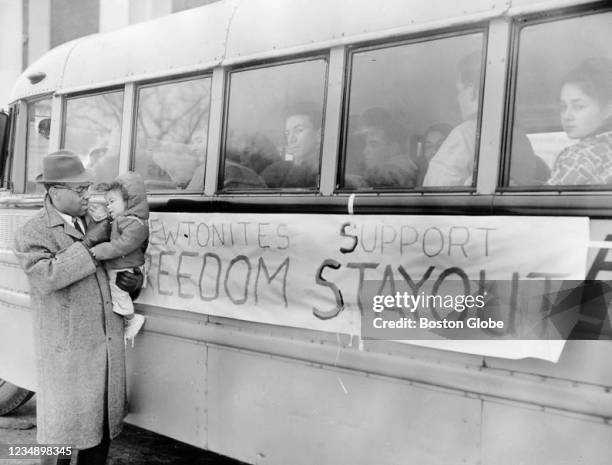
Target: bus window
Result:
[[39, 125], [93, 131], [412, 115], [171, 134], [273, 134], [562, 124]]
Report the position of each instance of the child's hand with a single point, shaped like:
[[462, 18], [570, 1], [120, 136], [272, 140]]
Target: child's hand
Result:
[[97, 211]]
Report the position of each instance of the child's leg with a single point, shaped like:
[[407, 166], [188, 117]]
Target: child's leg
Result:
[[122, 302], [123, 305]]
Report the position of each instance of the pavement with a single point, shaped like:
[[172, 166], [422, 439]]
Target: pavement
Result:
[[135, 446]]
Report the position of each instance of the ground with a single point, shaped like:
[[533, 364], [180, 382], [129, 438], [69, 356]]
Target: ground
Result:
[[135, 446]]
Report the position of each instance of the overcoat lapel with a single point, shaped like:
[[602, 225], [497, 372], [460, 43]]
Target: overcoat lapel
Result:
[[54, 220]]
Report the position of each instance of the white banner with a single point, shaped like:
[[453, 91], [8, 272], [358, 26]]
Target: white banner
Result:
[[307, 271]]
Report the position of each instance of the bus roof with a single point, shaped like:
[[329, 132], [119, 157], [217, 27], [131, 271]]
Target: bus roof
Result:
[[234, 31]]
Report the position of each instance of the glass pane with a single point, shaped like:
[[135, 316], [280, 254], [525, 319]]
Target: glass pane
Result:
[[562, 133], [413, 115], [93, 132], [274, 127], [37, 146], [10, 148], [171, 134]]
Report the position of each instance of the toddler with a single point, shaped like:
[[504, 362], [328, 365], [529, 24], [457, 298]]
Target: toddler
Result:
[[126, 200]]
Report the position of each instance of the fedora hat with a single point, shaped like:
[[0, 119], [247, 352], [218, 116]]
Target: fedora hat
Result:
[[64, 166]]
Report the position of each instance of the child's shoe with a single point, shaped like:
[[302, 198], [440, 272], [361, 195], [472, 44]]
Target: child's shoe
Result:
[[132, 327]]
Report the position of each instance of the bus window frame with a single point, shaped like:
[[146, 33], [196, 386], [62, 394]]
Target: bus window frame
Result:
[[89, 93], [26, 158], [518, 24], [134, 122], [481, 27], [7, 180], [261, 64], [7, 149]]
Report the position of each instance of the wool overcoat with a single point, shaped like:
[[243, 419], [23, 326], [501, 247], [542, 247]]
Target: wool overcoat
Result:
[[79, 343]]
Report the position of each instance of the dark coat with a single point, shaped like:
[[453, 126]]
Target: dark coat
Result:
[[289, 174], [78, 339]]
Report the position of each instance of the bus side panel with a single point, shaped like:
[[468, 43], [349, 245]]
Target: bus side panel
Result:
[[520, 435], [167, 380], [572, 364], [268, 410], [582, 361], [17, 362]]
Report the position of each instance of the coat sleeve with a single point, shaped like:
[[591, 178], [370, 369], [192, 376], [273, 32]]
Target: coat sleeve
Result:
[[132, 234], [50, 271]]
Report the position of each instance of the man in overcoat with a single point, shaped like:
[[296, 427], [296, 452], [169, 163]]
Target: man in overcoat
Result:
[[81, 396]]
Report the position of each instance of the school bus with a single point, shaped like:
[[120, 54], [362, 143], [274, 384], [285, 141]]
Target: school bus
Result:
[[299, 152]]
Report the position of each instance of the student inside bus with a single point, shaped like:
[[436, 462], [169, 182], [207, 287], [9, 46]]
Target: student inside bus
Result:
[[586, 115], [255, 151], [44, 127], [386, 163], [433, 138], [302, 150], [453, 164], [246, 157]]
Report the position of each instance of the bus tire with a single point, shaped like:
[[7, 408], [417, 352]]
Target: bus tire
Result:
[[12, 397]]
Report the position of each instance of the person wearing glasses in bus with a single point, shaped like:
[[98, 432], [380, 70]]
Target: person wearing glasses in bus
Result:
[[453, 164], [303, 146], [79, 346], [586, 115]]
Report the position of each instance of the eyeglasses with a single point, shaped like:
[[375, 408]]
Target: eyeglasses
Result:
[[79, 190]]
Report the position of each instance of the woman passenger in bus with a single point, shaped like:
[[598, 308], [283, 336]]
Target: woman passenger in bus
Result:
[[586, 115]]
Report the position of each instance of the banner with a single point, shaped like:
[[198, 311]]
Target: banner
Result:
[[313, 271]]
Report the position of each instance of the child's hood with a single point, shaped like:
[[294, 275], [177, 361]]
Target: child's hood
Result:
[[137, 195]]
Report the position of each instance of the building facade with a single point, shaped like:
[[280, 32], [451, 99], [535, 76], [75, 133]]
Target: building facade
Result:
[[29, 28]]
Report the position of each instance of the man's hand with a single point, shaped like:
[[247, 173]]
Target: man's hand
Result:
[[130, 282], [96, 233]]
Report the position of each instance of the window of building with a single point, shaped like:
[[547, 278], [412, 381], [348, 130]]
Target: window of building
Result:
[[413, 113], [71, 20], [93, 131], [37, 145], [181, 5], [172, 134], [274, 127], [561, 132]]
